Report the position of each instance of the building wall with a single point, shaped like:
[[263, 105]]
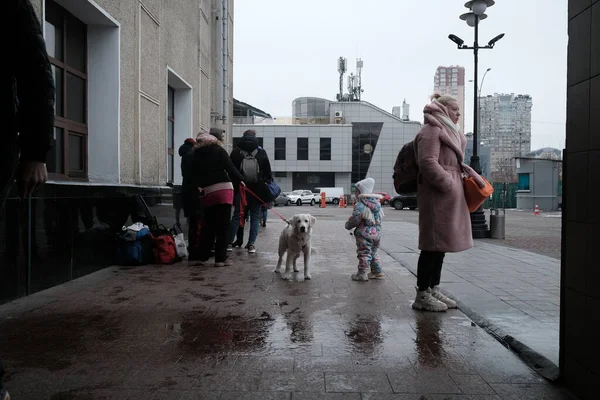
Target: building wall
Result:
[[543, 185], [580, 299], [394, 134], [159, 42], [451, 80], [340, 162]]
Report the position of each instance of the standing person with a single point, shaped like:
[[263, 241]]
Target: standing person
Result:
[[366, 221], [263, 215], [190, 201], [252, 161], [27, 107], [444, 220], [213, 174]]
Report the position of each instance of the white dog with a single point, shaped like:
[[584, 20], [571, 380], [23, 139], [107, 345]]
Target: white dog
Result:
[[295, 239]]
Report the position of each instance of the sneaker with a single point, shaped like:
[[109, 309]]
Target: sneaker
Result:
[[435, 292], [251, 248], [360, 277], [376, 275], [426, 302], [264, 224], [221, 264], [197, 264], [237, 243], [229, 248]]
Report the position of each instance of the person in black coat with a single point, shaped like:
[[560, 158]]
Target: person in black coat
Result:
[[190, 201], [27, 90], [214, 176], [248, 144]]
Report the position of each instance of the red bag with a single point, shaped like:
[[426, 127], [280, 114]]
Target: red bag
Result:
[[165, 251]]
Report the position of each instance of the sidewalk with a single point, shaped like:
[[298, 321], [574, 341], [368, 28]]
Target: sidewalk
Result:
[[514, 294], [186, 332]]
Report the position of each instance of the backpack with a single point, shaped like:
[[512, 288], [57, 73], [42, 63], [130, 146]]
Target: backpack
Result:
[[249, 168], [134, 252], [406, 170], [165, 250]]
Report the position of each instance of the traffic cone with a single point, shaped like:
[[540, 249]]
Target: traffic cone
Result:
[[342, 202], [537, 210]]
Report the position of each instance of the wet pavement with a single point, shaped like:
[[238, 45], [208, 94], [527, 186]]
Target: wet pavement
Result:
[[189, 332]]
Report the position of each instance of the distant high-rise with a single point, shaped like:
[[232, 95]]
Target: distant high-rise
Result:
[[451, 80], [505, 127]]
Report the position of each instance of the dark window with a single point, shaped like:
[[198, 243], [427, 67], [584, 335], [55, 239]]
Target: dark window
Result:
[[364, 140], [280, 174], [66, 41], [524, 182], [280, 148], [171, 132], [302, 148], [325, 149]]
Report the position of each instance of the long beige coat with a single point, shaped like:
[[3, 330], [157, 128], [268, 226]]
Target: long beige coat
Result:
[[444, 219]]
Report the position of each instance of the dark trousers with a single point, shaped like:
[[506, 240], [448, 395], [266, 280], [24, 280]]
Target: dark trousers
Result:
[[216, 227], [195, 230], [429, 269]]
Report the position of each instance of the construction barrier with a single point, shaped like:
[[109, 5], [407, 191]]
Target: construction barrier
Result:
[[323, 201]]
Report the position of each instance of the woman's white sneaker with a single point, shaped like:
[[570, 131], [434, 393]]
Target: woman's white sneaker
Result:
[[435, 292], [426, 302]]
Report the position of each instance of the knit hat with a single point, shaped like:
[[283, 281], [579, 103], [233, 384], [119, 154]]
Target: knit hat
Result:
[[366, 186], [217, 132], [190, 141]]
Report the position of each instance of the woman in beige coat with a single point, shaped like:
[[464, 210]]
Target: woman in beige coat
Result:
[[444, 219]]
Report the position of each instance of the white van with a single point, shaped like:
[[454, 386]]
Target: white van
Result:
[[332, 194]]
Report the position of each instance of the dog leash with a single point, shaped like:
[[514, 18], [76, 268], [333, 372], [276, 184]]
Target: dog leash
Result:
[[243, 201]]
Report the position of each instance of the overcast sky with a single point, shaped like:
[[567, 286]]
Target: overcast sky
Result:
[[286, 49]]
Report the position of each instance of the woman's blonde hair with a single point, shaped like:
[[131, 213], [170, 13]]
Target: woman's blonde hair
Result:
[[444, 99]]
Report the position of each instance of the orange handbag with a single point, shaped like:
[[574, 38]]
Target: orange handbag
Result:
[[475, 195]]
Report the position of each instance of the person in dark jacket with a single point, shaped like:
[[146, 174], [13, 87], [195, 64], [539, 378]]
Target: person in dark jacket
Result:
[[192, 209], [27, 101], [186, 147], [248, 144], [27, 88], [215, 176]]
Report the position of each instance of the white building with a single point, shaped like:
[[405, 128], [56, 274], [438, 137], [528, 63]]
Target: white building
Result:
[[505, 127], [334, 143]]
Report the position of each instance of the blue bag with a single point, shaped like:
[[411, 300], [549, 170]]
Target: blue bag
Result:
[[135, 252], [274, 189]]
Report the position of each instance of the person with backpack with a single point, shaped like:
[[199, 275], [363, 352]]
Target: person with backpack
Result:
[[253, 163], [444, 219], [214, 176]]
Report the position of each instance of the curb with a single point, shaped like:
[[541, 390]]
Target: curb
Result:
[[530, 357]]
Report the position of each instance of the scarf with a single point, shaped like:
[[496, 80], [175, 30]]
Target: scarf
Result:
[[437, 114]]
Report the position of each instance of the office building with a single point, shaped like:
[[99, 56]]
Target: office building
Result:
[[334, 144]]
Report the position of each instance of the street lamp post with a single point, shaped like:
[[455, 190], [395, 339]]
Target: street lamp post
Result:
[[477, 13]]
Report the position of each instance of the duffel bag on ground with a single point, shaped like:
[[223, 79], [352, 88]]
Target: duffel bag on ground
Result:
[[135, 252], [165, 250]]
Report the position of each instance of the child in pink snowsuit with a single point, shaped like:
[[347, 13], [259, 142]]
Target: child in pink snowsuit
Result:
[[366, 218]]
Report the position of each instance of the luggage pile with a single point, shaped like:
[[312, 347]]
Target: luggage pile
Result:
[[148, 242]]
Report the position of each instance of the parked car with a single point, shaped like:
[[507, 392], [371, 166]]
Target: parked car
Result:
[[300, 197], [405, 201], [385, 200], [283, 199]]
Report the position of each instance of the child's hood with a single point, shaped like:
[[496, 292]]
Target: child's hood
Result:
[[372, 201]]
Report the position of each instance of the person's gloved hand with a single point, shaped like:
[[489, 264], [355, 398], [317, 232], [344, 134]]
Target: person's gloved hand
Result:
[[30, 175]]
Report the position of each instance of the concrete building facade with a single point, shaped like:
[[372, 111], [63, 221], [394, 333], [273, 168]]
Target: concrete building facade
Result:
[[505, 127], [365, 141], [135, 78], [451, 80]]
